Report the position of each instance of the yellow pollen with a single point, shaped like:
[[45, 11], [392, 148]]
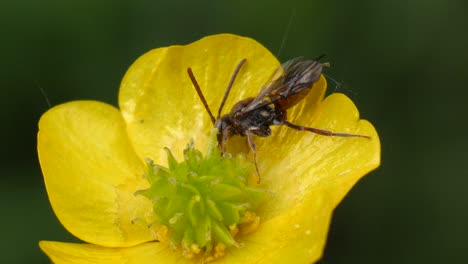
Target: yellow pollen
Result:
[[208, 259], [233, 230], [195, 248], [191, 251], [188, 254], [250, 223], [219, 252], [162, 233], [248, 216]]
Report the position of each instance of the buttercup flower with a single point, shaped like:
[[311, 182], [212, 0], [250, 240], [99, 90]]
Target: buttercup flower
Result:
[[96, 161]]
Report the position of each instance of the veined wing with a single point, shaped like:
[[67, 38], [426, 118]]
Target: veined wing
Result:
[[290, 82]]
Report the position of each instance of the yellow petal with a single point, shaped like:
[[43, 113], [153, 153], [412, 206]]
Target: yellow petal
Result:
[[91, 173], [297, 235], [294, 162], [70, 253], [309, 175], [160, 104]]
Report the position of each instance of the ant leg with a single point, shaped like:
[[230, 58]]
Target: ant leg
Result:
[[321, 131], [225, 136], [254, 151]]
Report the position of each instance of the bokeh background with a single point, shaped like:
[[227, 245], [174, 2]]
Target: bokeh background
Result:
[[402, 62]]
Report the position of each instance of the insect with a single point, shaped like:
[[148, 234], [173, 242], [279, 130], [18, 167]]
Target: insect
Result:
[[289, 84]]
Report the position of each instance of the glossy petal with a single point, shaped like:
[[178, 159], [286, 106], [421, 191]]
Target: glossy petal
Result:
[[295, 162], [91, 173], [71, 253], [309, 175], [160, 104]]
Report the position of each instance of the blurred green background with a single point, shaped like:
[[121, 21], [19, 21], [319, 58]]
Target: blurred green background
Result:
[[403, 64]]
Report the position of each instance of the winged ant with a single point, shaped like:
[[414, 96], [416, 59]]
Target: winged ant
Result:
[[290, 83]]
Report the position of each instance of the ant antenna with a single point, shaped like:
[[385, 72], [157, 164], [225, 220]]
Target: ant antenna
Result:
[[228, 89], [200, 94]]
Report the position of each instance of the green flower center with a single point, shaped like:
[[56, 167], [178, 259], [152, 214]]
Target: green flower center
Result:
[[204, 199]]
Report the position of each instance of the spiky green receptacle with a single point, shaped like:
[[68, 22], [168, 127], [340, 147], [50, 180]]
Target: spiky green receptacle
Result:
[[200, 198]]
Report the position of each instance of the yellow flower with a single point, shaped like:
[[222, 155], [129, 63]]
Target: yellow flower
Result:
[[92, 157]]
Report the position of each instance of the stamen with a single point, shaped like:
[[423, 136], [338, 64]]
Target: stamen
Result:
[[250, 223], [219, 252], [234, 230], [174, 219]]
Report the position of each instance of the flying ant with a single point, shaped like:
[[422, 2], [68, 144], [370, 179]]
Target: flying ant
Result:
[[290, 83]]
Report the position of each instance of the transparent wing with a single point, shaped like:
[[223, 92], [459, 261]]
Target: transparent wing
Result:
[[291, 78]]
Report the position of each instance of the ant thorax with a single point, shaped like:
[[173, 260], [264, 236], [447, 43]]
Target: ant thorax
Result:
[[257, 121]]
